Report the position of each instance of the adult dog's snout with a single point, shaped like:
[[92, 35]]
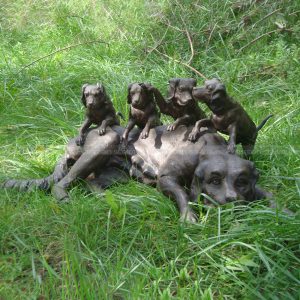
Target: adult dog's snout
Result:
[[230, 195]]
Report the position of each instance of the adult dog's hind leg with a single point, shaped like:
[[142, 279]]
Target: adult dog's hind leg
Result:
[[98, 151]]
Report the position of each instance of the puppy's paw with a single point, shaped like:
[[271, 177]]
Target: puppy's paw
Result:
[[101, 130], [124, 140], [231, 148], [144, 134], [193, 136], [188, 215], [172, 127], [79, 141]]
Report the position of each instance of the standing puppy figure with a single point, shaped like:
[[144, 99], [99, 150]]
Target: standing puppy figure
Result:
[[180, 103], [99, 110], [228, 117], [143, 111]]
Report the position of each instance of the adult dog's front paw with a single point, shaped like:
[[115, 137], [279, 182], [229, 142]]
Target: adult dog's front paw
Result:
[[188, 215], [231, 148], [102, 130]]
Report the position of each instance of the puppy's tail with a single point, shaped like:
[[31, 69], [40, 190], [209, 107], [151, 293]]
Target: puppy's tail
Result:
[[264, 121], [60, 171], [120, 115]]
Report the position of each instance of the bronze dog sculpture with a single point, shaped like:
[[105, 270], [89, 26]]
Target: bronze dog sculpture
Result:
[[180, 104], [228, 117], [143, 111], [181, 170], [99, 110]]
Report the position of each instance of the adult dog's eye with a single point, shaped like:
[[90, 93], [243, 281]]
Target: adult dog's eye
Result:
[[215, 181], [240, 182]]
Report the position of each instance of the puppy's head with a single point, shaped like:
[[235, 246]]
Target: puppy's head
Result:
[[213, 94], [226, 178], [139, 95], [93, 96], [180, 90]]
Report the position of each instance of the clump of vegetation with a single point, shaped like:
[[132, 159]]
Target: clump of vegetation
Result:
[[128, 244]]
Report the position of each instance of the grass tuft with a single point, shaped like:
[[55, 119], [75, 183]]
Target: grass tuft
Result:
[[128, 243]]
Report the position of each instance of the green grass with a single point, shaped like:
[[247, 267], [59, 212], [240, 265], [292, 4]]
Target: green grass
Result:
[[128, 244]]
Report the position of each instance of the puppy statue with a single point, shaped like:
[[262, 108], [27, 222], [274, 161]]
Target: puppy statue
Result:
[[99, 110], [143, 111], [228, 117], [180, 104]]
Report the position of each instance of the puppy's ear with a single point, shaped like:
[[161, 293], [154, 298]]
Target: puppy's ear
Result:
[[83, 100], [219, 92], [173, 83], [128, 93], [193, 82], [147, 87], [100, 87]]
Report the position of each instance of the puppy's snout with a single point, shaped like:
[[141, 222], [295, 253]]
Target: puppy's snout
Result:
[[185, 98], [89, 102], [135, 100]]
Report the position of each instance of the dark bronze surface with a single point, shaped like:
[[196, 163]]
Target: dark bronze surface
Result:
[[143, 111], [181, 170], [180, 104], [99, 110], [228, 117]]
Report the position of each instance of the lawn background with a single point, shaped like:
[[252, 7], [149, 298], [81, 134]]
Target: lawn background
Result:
[[128, 244]]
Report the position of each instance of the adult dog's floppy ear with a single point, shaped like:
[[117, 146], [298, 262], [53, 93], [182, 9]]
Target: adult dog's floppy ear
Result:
[[173, 83], [258, 193], [83, 100], [196, 185], [128, 94]]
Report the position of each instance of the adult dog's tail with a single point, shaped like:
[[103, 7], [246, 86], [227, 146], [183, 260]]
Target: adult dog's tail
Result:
[[60, 171], [264, 121]]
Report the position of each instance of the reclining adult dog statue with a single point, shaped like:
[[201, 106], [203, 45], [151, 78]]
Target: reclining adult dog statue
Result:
[[180, 169]]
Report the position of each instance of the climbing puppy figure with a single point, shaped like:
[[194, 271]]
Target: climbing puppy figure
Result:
[[228, 117], [143, 111], [180, 103], [99, 110]]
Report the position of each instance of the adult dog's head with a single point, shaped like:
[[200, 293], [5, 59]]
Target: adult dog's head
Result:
[[93, 96], [226, 178], [180, 90], [213, 94], [139, 95]]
